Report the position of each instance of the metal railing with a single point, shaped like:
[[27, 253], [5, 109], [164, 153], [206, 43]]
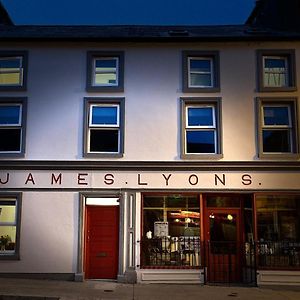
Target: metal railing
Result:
[[171, 252], [278, 255]]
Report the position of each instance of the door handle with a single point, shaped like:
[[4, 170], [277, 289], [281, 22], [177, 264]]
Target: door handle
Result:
[[101, 254]]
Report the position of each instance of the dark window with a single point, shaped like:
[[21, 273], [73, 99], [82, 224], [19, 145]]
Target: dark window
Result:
[[12, 126], [104, 126], [201, 133], [277, 127]]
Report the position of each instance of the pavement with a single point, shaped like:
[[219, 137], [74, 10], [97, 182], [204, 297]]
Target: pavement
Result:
[[28, 289]]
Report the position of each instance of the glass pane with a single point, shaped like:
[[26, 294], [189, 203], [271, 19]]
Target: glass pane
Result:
[[153, 201], [106, 72], [275, 72], [276, 115], [222, 201], [106, 79], [223, 227], [278, 64], [9, 115], [7, 211], [151, 217], [104, 115], [10, 71], [278, 217], [7, 238], [10, 140], [200, 65], [276, 141], [201, 80], [10, 79], [200, 142], [10, 64], [200, 116], [104, 141]]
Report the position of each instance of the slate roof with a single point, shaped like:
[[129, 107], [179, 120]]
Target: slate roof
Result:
[[143, 33]]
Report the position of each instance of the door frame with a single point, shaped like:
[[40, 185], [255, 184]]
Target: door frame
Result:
[[80, 274]]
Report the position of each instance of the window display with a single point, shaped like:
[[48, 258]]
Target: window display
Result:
[[171, 231]]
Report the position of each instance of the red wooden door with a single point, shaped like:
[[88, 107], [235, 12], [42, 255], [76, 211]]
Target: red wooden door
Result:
[[101, 242], [222, 245]]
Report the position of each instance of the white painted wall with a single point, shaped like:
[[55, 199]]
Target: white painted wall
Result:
[[56, 88], [49, 234]]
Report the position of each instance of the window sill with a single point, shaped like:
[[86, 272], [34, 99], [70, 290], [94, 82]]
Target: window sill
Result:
[[103, 155], [104, 89], [202, 156], [9, 256], [277, 89], [12, 155], [201, 90], [280, 156]]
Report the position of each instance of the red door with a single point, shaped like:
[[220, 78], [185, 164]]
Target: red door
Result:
[[101, 242], [222, 245]]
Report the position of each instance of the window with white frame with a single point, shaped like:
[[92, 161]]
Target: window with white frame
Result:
[[201, 134], [277, 127], [12, 126], [104, 130], [105, 71], [200, 71], [276, 70], [10, 208], [13, 70]]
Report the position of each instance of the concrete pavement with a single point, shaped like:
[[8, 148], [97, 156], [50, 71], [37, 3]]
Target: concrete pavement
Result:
[[27, 289]]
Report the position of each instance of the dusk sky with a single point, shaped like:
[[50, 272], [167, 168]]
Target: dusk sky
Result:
[[129, 12]]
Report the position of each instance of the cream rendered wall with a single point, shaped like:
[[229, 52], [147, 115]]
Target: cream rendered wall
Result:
[[49, 234], [56, 88]]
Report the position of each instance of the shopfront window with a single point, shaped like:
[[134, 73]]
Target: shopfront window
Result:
[[10, 207], [278, 230], [171, 231]]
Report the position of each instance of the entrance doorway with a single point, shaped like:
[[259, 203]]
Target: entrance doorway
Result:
[[101, 238], [223, 240], [228, 234]]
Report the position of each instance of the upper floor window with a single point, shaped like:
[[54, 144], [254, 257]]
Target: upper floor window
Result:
[[105, 71], [201, 71], [201, 128], [277, 128], [13, 69], [276, 70], [10, 215], [104, 127], [12, 126]]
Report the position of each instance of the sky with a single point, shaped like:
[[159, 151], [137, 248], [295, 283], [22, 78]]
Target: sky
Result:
[[129, 12]]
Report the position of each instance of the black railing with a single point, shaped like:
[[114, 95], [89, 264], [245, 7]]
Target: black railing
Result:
[[230, 262], [278, 255], [171, 252]]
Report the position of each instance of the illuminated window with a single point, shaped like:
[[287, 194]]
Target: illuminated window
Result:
[[171, 231], [13, 69], [276, 70], [10, 209], [104, 126], [12, 126], [200, 71], [201, 127], [105, 71]]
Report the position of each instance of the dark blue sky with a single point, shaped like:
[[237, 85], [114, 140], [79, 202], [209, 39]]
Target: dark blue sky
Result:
[[129, 12]]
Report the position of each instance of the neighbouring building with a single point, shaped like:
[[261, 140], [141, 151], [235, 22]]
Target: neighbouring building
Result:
[[151, 153]]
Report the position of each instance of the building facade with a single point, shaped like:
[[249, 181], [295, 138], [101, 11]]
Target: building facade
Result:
[[150, 154]]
